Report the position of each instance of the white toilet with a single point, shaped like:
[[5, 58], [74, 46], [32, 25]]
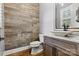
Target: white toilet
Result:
[[36, 46]]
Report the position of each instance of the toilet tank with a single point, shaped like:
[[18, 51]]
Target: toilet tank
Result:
[[41, 37]]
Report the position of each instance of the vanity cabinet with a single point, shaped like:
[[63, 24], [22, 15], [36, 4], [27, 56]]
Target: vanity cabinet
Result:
[[49, 50], [59, 47], [60, 53]]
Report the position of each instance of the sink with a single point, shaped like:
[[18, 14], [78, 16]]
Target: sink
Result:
[[73, 36], [74, 39], [70, 35], [61, 33]]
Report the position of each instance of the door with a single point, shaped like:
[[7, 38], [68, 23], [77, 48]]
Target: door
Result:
[[1, 47], [1, 30]]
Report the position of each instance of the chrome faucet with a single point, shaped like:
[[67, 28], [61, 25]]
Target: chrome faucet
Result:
[[68, 34]]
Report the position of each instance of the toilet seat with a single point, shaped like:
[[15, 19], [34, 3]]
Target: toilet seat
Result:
[[35, 44]]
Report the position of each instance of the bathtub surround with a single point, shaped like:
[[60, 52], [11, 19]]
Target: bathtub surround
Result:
[[21, 24]]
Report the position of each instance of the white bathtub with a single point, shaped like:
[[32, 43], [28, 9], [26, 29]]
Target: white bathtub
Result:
[[8, 52]]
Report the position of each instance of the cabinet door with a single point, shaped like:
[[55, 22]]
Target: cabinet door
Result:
[[60, 53], [50, 51]]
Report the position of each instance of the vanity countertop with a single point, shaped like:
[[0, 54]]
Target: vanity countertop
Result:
[[73, 39]]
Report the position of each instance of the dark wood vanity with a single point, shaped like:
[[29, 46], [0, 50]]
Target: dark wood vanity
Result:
[[57, 47]]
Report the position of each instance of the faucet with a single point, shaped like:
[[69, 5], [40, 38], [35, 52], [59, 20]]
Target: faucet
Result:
[[66, 26], [68, 34]]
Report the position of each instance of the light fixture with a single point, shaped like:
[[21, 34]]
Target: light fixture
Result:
[[62, 4]]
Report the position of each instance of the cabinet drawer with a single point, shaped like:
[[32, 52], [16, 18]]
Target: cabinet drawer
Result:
[[62, 44]]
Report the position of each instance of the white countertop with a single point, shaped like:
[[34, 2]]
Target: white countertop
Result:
[[72, 39]]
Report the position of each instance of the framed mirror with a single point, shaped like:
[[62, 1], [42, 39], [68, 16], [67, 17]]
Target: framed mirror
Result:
[[67, 14]]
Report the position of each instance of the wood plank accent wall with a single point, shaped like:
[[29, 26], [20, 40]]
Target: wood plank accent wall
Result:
[[21, 24]]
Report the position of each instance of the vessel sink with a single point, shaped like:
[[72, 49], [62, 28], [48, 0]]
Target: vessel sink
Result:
[[61, 33]]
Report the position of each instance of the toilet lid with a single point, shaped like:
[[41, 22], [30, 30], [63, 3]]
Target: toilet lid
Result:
[[35, 42]]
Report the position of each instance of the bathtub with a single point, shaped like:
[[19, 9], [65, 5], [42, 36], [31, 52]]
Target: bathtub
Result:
[[8, 52]]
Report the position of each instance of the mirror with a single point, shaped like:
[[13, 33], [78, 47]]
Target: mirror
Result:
[[67, 14]]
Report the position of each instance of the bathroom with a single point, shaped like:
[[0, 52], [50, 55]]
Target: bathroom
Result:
[[39, 29]]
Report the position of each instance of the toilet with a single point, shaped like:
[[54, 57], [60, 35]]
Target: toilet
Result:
[[36, 46]]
